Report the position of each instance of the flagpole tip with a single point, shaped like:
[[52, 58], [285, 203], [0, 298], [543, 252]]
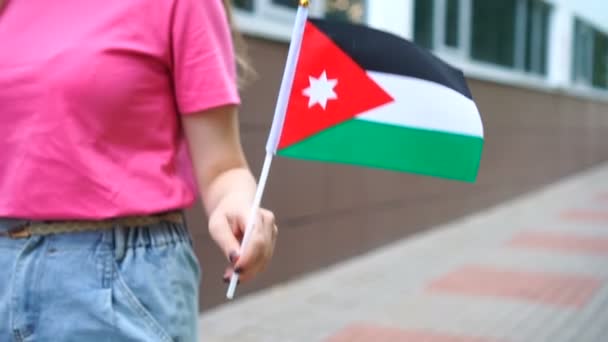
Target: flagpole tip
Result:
[[304, 3]]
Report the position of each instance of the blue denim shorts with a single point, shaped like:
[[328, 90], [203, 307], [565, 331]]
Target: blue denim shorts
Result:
[[122, 284]]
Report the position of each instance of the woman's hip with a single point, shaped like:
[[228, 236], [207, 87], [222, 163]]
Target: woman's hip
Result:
[[120, 284]]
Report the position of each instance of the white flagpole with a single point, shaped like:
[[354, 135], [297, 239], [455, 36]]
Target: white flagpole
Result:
[[277, 126]]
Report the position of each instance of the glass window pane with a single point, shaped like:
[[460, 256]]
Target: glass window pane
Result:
[[600, 59], [493, 37], [246, 5], [423, 23], [452, 22], [537, 30], [530, 31], [346, 10], [286, 3], [545, 15], [578, 53], [583, 53]]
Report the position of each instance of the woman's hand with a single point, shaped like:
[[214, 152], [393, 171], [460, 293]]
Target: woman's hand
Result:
[[227, 188], [227, 226]]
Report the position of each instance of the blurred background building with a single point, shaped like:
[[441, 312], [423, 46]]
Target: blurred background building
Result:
[[538, 70]]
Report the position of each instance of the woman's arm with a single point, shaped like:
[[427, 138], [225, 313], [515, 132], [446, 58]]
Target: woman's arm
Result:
[[227, 188]]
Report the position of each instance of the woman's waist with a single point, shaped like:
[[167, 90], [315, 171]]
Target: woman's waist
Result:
[[8, 224], [23, 228]]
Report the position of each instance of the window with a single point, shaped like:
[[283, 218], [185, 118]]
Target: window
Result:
[[423, 23], [437, 23], [600, 61], [583, 56], [507, 33], [277, 9], [590, 56], [493, 29], [348, 10], [246, 5], [452, 20], [286, 3], [511, 33], [537, 35]]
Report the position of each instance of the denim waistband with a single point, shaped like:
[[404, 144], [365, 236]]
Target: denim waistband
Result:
[[8, 224], [158, 234]]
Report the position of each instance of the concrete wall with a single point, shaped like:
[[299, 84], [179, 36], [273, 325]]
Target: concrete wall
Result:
[[328, 212]]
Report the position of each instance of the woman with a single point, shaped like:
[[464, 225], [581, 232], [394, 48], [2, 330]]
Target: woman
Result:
[[106, 106]]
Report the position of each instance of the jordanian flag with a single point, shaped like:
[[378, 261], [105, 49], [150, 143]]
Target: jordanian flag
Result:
[[366, 97]]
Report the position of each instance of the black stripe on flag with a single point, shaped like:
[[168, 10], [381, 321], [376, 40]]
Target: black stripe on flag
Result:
[[380, 51]]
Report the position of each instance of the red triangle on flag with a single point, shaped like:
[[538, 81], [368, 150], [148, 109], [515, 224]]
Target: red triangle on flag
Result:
[[329, 87]]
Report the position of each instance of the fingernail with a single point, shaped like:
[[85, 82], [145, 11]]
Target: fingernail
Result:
[[233, 257]]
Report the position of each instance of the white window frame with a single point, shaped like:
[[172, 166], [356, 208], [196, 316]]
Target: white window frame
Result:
[[275, 22], [272, 21], [558, 77], [558, 73], [461, 55], [394, 16], [440, 13], [270, 10], [584, 84], [463, 50]]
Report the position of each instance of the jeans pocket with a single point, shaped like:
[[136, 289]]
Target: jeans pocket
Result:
[[155, 285], [137, 305]]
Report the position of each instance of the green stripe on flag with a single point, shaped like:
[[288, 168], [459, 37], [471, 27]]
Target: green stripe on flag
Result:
[[397, 148]]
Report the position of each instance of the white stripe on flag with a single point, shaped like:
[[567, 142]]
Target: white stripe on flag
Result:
[[425, 105]]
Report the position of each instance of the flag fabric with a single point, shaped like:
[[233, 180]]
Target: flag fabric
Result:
[[366, 97]]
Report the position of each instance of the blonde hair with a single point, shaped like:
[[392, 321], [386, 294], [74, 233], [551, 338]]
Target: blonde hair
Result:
[[246, 72]]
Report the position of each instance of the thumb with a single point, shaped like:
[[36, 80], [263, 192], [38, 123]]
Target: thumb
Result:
[[223, 234]]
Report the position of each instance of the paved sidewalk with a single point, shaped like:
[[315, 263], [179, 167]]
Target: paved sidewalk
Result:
[[531, 270]]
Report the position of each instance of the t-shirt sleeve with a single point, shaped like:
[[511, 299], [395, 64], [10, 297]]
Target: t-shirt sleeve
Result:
[[203, 64]]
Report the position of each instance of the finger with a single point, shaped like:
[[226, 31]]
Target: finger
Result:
[[268, 233], [267, 216], [256, 265], [223, 235], [251, 249], [269, 221], [275, 233], [236, 227], [228, 272], [256, 259], [271, 229], [268, 228], [244, 274]]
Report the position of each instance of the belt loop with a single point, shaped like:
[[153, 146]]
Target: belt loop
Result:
[[120, 243]]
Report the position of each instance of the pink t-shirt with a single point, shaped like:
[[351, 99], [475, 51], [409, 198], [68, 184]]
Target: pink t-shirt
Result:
[[91, 94]]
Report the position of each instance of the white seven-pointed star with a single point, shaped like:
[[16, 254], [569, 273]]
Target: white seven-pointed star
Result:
[[320, 90]]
